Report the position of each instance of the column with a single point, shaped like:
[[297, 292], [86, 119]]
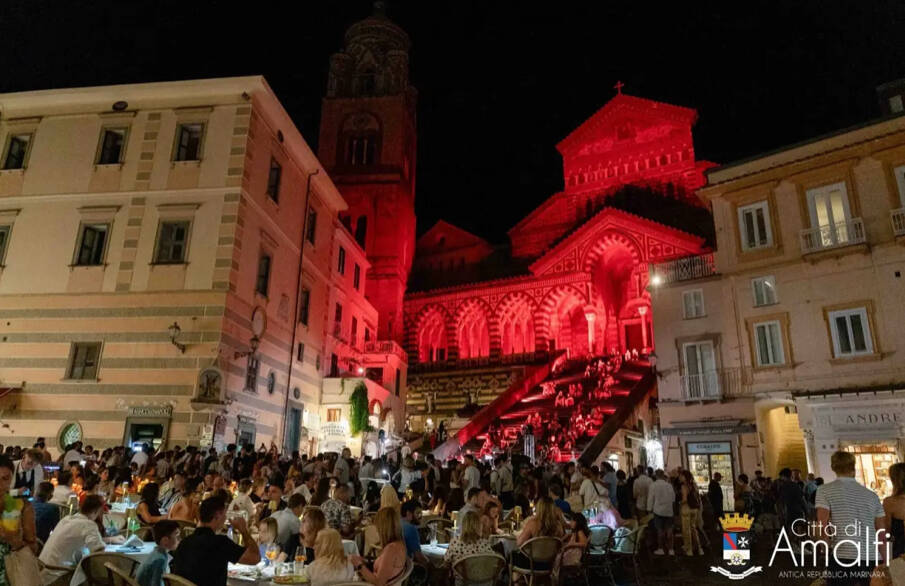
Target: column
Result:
[[642, 311], [591, 317]]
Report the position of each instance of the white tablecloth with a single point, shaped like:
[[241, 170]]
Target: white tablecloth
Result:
[[140, 555], [435, 553]]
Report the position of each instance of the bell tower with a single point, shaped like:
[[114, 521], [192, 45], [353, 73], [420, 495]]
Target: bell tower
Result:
[[367, 143]]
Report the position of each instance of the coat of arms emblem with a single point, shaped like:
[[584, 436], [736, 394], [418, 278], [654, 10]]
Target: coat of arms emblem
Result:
[[736, 547]]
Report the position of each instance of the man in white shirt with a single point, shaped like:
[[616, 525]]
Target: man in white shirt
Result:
[[858, 519], [62, 490], [640, 488], [341, 468], [472, 477], [64, 546], [141, 457], [575, 480], [367, 468], [660, 499], [73, 454], [288, 519], [592, 491], [308, 484]]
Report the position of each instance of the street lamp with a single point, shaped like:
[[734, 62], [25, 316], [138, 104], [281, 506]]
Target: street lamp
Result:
[[174, 333], [656, 280]]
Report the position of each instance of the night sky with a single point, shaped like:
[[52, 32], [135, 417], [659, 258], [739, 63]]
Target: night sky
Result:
[[500, 83]]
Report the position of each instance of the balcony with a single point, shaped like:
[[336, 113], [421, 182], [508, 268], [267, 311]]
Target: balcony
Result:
[[386, 347], [481, 362], [688, 268], [898, 221], [715, 385], [847, 233]]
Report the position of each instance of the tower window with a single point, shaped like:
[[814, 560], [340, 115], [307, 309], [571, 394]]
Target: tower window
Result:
[[360, 150], [360, 140]]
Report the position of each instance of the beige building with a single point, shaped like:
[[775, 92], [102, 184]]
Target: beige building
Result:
[[151, 287], [786, 343]]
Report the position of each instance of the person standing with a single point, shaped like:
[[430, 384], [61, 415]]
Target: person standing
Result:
[[639, 490], [715, 496], [472, 477], [612, 483], [592, 491], [894, 505], [29, 472], [660, 500], [844, 503]]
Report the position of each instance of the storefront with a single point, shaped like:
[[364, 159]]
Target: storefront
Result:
[[870, 425], [706, 448]]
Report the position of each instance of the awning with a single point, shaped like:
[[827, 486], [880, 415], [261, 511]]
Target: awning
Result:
[[729, 426]]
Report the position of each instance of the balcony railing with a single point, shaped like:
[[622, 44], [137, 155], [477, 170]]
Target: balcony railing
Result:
[[716, 384], [898, 221], [480, 362], [386, 347], [830, 236], [688, 268]]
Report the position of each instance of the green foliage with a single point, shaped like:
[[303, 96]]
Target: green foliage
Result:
[[358, 403]]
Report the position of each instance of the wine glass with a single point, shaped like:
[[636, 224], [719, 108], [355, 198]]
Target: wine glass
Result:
[[271, 552], [300, 559]]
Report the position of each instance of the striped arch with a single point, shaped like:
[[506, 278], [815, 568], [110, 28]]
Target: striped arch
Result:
[[472, 329], [433, 332], [550, 322], [608, 239], [516, 319]]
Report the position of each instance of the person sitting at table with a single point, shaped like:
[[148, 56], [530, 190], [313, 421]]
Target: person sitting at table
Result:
[[371, 503], [267, 540], [338, 512], [490, 519], [46, 515], [186, 509], [579, 536], [411, 516], [242, 502], [469, 542], [332, 565], [75, 533], [312, 522], [390, 564], [322, 493], [203, 556], [275, 501], [148, 511], [150, 572], [63, 491], [608, 515], [546, 522], [287, 520], [437, 505]]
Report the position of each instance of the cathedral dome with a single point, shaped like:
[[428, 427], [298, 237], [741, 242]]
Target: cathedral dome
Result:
[[378, 31]]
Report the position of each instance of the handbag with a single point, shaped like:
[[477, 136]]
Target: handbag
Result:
[[23, 568]]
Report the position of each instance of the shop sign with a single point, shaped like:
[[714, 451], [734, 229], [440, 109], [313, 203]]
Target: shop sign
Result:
[[709, 448], [850, 417], [162, 411]]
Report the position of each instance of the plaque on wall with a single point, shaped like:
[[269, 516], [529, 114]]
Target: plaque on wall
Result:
[[151, 411]]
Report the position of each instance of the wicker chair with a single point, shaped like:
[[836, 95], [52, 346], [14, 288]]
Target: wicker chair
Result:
[[409, 566], [482, 569], [599, 544], [118, 577], [95, 569], [63, 575], [573, 571], [629, 545], [174, 580], [541, 553]]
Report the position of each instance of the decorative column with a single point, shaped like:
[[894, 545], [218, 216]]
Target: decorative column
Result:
[[590, 316], [642, 311]]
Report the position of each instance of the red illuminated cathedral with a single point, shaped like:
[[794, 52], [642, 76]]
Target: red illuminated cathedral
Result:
[[486, 326]]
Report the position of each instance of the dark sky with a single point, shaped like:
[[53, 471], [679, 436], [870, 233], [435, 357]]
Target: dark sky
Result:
[[500, 83]]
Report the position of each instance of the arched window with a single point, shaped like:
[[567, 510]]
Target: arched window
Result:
[[432, 338], [361, 230], [473, 333], [361, 140]]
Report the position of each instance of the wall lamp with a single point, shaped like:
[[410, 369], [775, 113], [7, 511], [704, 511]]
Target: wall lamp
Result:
[[174, 333]]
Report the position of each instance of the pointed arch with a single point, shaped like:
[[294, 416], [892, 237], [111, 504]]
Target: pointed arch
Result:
[[517, 325], [562, 322], [607, 239], [432, 334], [473, 329]]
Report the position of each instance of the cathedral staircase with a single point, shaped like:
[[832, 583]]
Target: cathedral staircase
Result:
[[510, 411]]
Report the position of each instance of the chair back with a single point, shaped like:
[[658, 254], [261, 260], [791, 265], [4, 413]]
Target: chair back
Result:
[[625, 541], [573, 555], [480, 568], [541, 550], [118, 577], [174, 580], [95, 569], [600, 537], [409, 566], [145, 533]]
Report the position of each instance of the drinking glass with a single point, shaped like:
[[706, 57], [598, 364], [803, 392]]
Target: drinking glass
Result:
[[271, 553]]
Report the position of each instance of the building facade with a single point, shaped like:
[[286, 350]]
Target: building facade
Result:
[[781, 346], [167, 253]]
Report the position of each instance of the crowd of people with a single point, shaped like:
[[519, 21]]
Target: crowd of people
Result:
[[206, 509]]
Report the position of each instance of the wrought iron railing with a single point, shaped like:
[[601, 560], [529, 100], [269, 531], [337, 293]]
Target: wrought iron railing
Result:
[[898, 221], [833, 236], [687, 268], [716, 384]]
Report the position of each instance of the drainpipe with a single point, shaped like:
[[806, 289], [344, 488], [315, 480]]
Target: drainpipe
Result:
[[295, 312]]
